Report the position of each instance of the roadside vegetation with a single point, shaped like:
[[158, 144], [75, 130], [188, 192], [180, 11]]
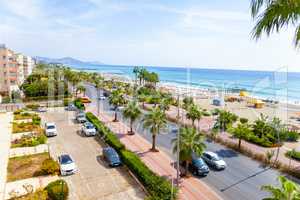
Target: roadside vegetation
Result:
[[31, 166]]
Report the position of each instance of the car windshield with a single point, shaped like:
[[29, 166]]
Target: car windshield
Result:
[[89, 126], [50, 127], [81, 115], [65, 159], [198, 162], [215, 158]]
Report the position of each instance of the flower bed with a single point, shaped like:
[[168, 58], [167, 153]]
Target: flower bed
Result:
[[31, 166], [25, 127], [29, 140]]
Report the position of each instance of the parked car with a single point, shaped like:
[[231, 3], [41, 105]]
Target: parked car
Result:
[[71, 107], [80, 117], [106, 94], [199, 167], [41, 109], [85, 100], [88, 129], [102, 97], [120, 108], [50, 129], [111, 156], [213, 160], [67, 165]]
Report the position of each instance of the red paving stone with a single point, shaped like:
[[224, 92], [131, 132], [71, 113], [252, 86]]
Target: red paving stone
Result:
[[190, 188]]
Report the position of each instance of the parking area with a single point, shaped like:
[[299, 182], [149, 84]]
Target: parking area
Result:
[[94, 179]]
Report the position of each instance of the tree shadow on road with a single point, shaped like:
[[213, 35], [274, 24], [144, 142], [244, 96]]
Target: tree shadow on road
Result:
[[227, 153]]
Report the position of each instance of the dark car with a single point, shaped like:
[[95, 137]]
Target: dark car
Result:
[[111, 156], [199, 167]]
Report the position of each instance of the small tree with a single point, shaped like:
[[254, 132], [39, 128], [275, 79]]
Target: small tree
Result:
[[242, 131], [225, 120], [193, 114], [132, 111], [155, 120], [116, 99], [187, 102], [190, 142]]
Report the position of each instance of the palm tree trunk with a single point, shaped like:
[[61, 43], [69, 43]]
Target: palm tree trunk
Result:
[[193, 123], [186, 168], [116, 116], [153, 142], [143, 104], [240, 142], [131, 131]]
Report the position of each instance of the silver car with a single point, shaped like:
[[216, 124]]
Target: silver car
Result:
[[88, 129], [213, 160]]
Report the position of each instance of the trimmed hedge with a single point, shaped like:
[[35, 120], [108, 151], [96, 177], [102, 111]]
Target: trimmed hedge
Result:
[[157, 186], [58, 190], [79, 104]]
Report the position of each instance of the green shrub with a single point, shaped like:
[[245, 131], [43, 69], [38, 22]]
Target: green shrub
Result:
[[79, 104], [206, 114], [32, 106], [36, 120], [292, 136], [50, 166], [29, 141], [58, 190], [158, 187], [293, 154], [244, 120]]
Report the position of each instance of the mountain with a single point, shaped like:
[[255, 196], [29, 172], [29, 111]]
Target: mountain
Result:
[[67, 61]]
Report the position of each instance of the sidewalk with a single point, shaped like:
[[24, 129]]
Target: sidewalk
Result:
[[206, 123], [19, 187], [190, 189], [5, 127]]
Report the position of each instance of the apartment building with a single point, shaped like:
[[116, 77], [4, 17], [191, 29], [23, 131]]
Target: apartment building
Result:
[[14, 68]]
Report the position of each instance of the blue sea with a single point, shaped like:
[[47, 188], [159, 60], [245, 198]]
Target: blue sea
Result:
[[278, 85]]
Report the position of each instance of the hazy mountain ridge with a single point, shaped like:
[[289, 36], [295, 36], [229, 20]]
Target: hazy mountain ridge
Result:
[[67, 61]]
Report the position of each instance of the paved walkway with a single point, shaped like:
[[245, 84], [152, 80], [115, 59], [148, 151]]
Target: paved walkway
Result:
[[23, 151], [5, 127], [206, 123], [190, 188], [18, 188]]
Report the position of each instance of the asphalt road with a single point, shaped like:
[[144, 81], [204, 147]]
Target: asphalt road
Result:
[[241, 180], [94, 179]]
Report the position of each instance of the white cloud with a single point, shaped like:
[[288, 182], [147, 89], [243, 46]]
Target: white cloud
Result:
[[26, 8]]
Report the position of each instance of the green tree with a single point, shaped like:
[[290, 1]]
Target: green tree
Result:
[[225, 120], [194, 113], [116, 99], [132, 112], [288, 190], [165, 104], [187, 101], [155, 120], [242, 131], [275, 15], [80, 89], [190, 142]]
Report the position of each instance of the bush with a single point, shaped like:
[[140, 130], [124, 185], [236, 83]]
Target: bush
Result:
[[58, 190], [32, 106], [49, 166], [293, 154], [292, 136], [158, 187], [29, 141], [244, 120], [36, 120], [79, 104], [206, 114]]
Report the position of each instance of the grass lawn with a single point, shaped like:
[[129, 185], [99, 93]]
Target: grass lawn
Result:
[[25, 166]]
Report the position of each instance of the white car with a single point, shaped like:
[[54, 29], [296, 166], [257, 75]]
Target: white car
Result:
[[102, 97], [50, 129], [88, 129], [67, 165], [213, 160]]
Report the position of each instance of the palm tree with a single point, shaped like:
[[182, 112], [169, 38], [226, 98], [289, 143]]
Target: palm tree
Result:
[[136, 71], [288, 190], [132, 111], [80, 89], [187, 102], [191, 143], [242, 131], [142, 98], [165, 104], [194, 113], [225, 120], [274, 15], [155, 120], [116, 99]]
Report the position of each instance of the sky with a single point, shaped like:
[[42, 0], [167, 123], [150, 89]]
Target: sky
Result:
[[190, 33]]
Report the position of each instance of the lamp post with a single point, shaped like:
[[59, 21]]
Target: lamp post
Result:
[[178, 144]]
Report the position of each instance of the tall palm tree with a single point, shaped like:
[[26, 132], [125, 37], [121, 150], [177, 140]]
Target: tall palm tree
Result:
[[116, 99], [190, 143], [274, 15], [80, 89], [288, 190], [194, 113], [225, 120], [132, 111], [165, 104], [155, 120]]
